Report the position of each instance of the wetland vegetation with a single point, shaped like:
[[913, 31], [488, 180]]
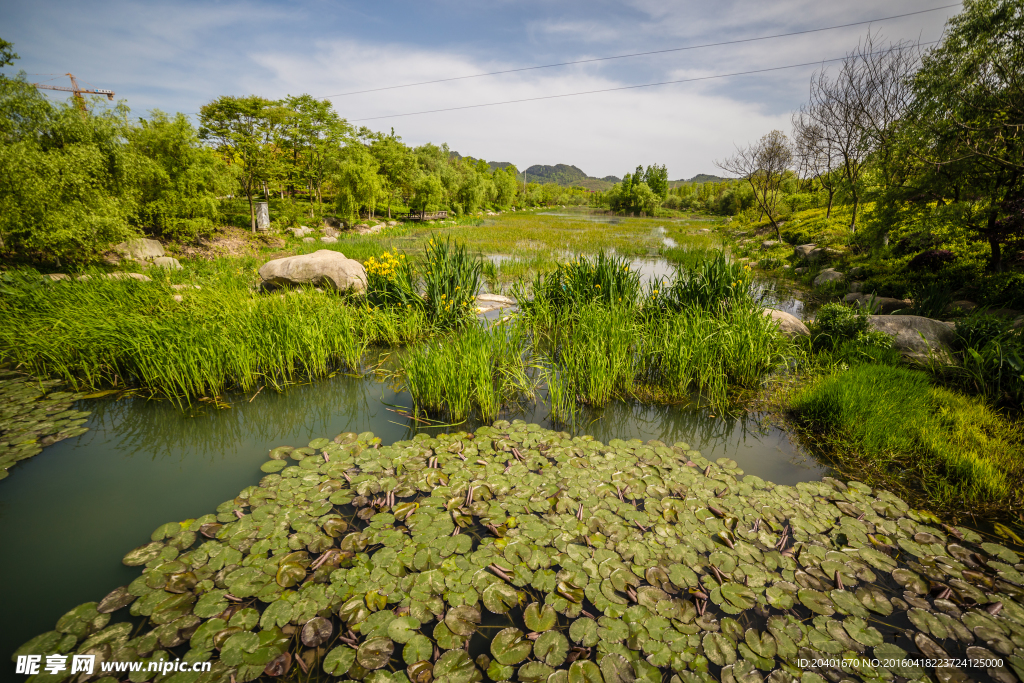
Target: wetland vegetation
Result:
[[508, 551]]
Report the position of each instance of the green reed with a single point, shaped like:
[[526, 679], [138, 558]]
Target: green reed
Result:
[[476, 368], [111, 332], [451, 282]]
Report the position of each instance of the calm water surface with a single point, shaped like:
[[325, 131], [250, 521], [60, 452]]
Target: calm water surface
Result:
[[68, 515]]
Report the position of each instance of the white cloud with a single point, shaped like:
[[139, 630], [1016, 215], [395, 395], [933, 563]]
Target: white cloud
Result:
[[604, 134]]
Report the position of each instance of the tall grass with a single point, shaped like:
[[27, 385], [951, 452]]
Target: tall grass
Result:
[[476, 368], [599, 352], [959, 450], [451, 282], [605, 278], [708, 283], [103, 332]]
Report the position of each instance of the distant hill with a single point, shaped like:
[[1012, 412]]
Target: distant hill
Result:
[[560, 174], [568, 176], [697, 180]]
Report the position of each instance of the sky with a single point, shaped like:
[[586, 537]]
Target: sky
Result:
[[178, 55]]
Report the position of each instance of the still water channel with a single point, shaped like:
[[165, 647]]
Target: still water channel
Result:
[[68, 515]]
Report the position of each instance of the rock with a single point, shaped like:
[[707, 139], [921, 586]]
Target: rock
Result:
[[799, 271], [141, 249], [853, 298], [1018, 322], [166, 262], [309, 240], [392, 224], [828, 275], [786, 266], [330, 232], [803, 250], [490, 302], [121, 276], [300, 231], [328, 239], [917, 338], [963, 306], [326, 268], [768, 244], [788, 324], [178, 297], [856, 286], [333, 223], [856, 271], [57, 277]]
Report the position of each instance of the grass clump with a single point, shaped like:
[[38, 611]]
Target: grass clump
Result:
[[473, 369], [897, 422], [451, 283], [116, 332]]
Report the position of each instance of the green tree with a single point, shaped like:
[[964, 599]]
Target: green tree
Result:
[[395, 164], [506, 186], [356, 176], [969, 103], [69, 184], [7, 54], [656, 178], [429, 193], [243, 129], [178, 196], [309, 134]]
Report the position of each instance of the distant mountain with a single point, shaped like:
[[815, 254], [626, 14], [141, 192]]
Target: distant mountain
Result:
[[697, 180], [560, 174], [568, 176]]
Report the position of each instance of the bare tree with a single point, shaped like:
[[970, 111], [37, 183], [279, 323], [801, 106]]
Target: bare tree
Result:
[[763, 164], [856, 112], [815, 158]]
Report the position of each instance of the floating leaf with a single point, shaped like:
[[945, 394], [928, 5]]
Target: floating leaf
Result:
[[500, 597], [583, 631], [816, 601], [462, 620], [551, 648], [719, 649], [540, 618], [584, 671], [508, 646], [616, 669], [316, 632], [339, 660], [375, 653], [403, 629], [455, 666]]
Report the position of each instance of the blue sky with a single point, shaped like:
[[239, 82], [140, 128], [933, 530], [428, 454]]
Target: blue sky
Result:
[[178, 55]]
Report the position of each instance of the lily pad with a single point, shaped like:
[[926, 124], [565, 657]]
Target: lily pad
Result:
[[339, 660], [455, 666], [551, 648], [375, 653], [508, 646], [816, 601], [583, 631], [462, 620]]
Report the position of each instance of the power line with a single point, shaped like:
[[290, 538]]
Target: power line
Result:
[[622, 87], [644, 54]]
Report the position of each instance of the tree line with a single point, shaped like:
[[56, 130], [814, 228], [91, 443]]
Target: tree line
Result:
[[77, 181]]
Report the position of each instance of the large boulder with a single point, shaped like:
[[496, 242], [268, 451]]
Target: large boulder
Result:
[[141, 249], [828, 275], [325, 268], [917, 338], [768, 244], [788, 324], [809, 252]]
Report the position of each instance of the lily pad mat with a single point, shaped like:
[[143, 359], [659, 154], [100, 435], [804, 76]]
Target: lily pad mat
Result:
[[517, 553]]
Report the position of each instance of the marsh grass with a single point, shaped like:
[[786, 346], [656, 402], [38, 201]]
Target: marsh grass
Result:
[[605, 278], [477, 368], [953, 447], [110, 332]]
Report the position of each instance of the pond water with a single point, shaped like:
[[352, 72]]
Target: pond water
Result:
[[68, 515]]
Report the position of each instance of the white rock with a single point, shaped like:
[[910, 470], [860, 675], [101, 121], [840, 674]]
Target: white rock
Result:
[[788, 324], [141, 249], [166, 262], [326, 268]]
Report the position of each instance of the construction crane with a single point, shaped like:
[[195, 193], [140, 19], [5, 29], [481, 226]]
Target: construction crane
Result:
[[78, 92]]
